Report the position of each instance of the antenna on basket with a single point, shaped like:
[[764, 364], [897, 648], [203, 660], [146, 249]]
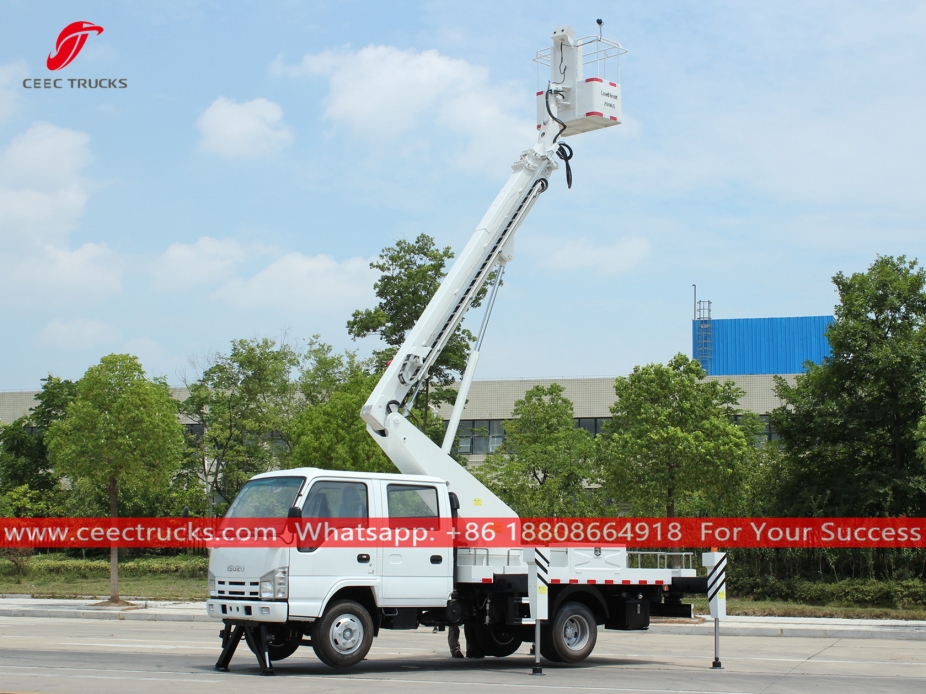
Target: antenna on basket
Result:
[[600, 23]]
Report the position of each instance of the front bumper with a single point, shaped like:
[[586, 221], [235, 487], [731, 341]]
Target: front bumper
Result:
[[254, 610]]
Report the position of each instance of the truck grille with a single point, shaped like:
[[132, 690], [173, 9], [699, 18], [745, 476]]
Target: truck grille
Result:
[[237, 590]]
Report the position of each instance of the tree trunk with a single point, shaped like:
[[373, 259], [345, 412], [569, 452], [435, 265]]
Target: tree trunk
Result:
[[113, 551], [670, 513]]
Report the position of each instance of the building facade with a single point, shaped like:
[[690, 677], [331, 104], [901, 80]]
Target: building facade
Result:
[[748, 351]]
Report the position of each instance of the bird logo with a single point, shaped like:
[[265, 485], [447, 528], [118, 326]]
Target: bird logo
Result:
[[70, 42]]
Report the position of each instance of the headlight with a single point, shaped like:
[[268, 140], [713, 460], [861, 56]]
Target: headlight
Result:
[[275, 585], [212, 591]]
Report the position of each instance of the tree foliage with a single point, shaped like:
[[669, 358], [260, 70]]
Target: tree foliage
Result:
[[328, 432], [243, 401], [411, 272], [121, 427], [672, 447], [849, 425], [546, 466], [27, 478], [23, 454]]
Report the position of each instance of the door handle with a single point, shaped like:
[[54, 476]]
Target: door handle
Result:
[[363, 558], [436, 559]]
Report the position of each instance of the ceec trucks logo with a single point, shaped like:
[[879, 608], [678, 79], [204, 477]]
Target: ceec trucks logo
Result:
[[69, 44]]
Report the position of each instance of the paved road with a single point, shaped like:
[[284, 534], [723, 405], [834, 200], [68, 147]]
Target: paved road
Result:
[[81, 655]]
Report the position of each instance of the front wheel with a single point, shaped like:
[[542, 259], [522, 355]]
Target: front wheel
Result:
[[285, 639], [497, 640], [343, 635], [573, 633]]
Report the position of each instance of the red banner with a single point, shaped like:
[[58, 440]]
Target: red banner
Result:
[[632, 533]]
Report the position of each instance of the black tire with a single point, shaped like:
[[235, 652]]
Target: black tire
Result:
[[497, 640], [343, 635], [284, 640], [546, 645], [574, 633]]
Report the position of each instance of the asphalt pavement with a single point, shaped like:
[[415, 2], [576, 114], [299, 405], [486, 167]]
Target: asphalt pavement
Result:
[[77, 656]]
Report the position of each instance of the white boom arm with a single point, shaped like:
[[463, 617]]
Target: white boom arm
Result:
[[409, 449]]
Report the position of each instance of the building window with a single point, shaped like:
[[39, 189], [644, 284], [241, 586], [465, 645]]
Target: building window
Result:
[[484, 436], [593, 425], [479, 436], [768, 433], [496, 435]]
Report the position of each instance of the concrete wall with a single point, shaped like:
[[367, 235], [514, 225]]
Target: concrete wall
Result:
[[593, 397], [17, 403]]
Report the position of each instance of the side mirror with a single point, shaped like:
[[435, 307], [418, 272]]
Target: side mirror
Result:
[[294, 512]]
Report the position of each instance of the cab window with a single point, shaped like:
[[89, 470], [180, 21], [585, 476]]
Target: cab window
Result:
[[328, 499], [270, 497], [412, 501]]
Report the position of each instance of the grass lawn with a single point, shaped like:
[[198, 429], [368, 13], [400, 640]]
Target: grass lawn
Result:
[[775, 608], [156, 587]]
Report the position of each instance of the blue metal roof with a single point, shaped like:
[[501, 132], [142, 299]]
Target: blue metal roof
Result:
[[741, 346]]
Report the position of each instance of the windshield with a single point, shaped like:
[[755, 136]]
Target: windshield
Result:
[[270, 497]]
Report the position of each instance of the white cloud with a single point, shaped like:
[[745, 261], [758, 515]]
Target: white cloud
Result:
[[581, 254], [383, 93], [77, 334], [45, 157], [55, 273], [42, 192], [308, 284], [207, 261], [32, 216], [249, 130], [11, 76]]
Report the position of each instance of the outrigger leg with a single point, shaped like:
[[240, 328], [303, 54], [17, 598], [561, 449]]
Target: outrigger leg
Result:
[[231, 636], [258, 639]]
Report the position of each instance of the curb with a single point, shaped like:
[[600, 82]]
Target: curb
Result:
[[128, 615], [793, 632]]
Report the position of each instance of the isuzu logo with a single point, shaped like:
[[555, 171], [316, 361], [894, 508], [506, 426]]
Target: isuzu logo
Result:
[[235, 568]]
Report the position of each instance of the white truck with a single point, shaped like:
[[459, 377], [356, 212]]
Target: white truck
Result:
[[337, 598]]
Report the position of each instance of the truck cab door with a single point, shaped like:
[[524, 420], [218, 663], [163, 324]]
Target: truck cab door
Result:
[[318, 567], [420, 576]]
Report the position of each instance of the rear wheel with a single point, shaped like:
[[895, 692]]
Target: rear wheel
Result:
[[546, 645], [497, 640], [573, 633], [343, 635]]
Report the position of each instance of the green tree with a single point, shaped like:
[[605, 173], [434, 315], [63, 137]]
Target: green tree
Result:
[[848, 426], [328, 432], [411, 273], [25, 470], [243, 402], [546, 466], [671, 446], [122, 429]]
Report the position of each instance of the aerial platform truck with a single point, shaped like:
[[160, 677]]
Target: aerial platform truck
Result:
[[338, 598]]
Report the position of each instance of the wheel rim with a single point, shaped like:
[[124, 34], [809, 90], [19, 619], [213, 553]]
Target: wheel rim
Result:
[[575, 633], [502, 638], [346, 634]]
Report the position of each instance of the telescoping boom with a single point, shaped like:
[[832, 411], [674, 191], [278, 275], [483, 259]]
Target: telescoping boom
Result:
[[571, 103]]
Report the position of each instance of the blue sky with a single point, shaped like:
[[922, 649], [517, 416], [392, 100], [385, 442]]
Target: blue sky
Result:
[[263, 153]]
